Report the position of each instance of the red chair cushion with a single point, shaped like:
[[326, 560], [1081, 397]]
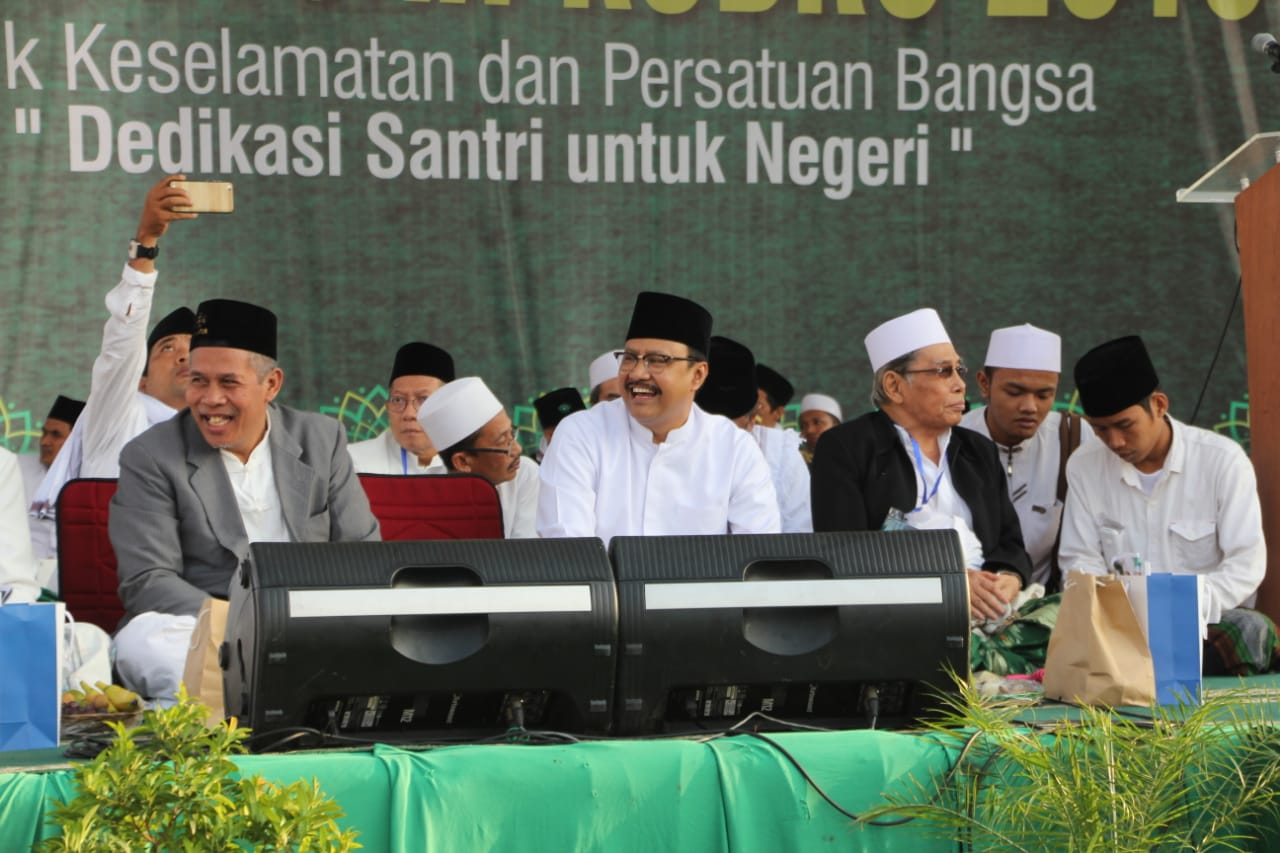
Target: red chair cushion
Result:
[[431, 506], [87, 578]]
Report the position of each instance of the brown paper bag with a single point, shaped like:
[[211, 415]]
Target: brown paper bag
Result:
[[1098, 652], [202, 674]]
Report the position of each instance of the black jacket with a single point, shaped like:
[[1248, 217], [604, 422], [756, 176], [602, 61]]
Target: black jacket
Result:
[[860, 470]]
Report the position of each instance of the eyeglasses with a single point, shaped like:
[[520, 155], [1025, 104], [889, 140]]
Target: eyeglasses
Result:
[[397, 402], [654, 362], [943, 372], [509, 440]]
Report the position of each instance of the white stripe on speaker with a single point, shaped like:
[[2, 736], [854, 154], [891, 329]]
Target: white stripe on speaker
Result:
[[812, 593], [436, 601]]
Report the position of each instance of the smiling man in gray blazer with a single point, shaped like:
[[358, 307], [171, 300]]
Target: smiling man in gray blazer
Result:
[[231, 469]]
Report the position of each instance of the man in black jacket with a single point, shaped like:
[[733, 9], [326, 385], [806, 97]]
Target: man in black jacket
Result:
[[911, 457]]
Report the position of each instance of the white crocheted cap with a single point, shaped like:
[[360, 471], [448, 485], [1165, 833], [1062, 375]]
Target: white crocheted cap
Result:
[[821, 403], [901, 335], [457, 410], [1025, 348]]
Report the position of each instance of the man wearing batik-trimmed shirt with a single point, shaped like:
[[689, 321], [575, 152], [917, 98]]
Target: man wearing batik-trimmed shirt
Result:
[[57, 427], [652, 463]]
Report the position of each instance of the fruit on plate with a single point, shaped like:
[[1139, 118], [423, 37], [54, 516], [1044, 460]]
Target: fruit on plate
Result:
[[102, 699]]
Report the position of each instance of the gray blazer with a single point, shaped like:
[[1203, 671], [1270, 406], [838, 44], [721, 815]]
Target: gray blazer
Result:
[[174, 523]]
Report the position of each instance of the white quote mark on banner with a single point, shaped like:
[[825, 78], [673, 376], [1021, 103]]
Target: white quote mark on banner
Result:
[[961, 139], [20, 123]]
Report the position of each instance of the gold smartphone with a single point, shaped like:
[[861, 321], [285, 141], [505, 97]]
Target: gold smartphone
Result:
[[207, 196]]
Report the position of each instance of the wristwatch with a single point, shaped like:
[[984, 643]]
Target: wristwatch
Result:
[[137, 250]]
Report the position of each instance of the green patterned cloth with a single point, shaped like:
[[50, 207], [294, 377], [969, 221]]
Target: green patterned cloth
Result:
[[1020, 647], [1246, 642]]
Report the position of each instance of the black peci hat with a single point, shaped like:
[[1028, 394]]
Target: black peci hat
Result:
[[238, 325], [1114, 376], [780, 391], [65, 409], [419, 359], [671, 318], [180, 321], [555, 406], [730, 388]]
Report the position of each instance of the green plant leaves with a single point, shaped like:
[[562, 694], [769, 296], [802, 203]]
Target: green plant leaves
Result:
[[170, 784], [1187, 778]]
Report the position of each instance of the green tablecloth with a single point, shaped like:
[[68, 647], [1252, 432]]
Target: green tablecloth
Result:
[[732, 794]]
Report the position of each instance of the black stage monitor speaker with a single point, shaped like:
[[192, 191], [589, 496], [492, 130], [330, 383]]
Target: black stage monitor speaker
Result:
[[423, 641], [841, 630]]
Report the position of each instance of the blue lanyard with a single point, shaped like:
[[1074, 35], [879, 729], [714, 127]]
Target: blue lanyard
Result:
[[404, 461], [942, 469]]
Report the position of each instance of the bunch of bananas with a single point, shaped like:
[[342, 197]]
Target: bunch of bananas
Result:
[[102, 699]]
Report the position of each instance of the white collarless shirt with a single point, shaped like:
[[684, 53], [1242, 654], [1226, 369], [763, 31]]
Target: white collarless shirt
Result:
[[384, 455], [254, 484], [938, 504], [1202, 516], [1032, 468], [604, 476]]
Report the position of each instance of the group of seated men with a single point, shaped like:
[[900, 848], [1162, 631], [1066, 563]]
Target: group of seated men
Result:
[[207, 461]]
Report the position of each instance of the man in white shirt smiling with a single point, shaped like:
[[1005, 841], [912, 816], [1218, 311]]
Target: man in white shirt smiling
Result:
[[1183, 499], [652, 463]]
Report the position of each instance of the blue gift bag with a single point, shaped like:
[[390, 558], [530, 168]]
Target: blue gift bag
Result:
[[31, 638], [1173, 632]]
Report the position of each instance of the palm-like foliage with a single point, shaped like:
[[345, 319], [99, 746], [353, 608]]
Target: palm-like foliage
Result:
[[1186, 778]]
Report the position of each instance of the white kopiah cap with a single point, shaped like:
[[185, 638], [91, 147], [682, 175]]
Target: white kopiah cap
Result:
[[821, 403], [604, 368], [1025, 348], [457, 410], [901, 335]]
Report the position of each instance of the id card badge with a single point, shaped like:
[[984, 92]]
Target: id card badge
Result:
[[896, 520]]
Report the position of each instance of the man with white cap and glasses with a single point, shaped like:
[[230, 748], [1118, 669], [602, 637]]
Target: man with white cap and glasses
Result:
[[818, 413], [475, 436], [1019, 382], [418, 371], [603, 379], [910, 465], [652, 463]]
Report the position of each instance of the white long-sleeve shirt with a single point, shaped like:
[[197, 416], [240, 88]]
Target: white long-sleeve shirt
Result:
[[781, 449], [604, 476], [1201, 518], [116, 410], [1032, 467], [17, 562], [519, 499], [384, 455]]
